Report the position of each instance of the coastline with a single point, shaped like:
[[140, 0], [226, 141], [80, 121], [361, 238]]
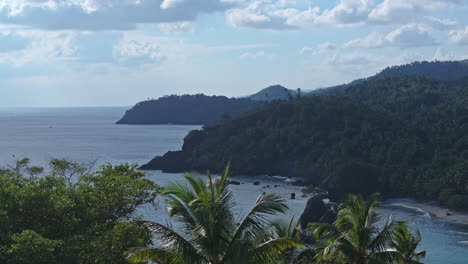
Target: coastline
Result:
[[432, 208]]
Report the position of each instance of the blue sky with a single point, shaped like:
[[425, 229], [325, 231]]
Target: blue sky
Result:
[[118, 52]]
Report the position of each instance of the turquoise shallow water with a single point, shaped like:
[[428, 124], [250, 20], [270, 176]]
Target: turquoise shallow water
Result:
[[87, 134]]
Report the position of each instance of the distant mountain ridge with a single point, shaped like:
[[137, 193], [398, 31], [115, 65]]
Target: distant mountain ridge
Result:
[[202, 109], [273, 92], [436, 70]]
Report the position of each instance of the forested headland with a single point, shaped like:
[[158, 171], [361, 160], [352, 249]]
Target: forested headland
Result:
[[402, 136], [187, 109]]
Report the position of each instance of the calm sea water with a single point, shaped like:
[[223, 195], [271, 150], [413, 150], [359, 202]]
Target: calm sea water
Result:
[[87, 134]]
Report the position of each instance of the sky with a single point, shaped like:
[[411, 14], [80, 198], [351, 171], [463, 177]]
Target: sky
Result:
[[119, 52]]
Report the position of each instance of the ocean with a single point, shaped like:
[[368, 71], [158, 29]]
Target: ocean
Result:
[[90, 134]]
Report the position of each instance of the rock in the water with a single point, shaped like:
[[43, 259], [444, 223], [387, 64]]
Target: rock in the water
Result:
[[293, 195], [256, 183], [234, 182], [317, 210]]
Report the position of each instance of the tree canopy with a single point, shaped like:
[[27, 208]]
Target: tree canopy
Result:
[[68, 214]]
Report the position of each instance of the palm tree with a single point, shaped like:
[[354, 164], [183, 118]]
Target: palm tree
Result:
[[406, 243], [292, 230], [210, 234], [355, 237]]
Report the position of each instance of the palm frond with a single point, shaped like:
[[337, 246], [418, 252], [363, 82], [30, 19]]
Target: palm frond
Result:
[[197, 184], [383, 238], [386, 256], [181, 190], [286, 229], [322, 231], [265, 205], [274, 248], [178, 208], [159, 255], [224, 176], [171, 239]]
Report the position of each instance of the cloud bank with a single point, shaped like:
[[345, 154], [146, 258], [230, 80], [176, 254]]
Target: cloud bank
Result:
[[281, 16], [104, 14]]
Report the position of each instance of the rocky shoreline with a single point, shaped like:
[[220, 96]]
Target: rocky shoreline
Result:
[[431, 208]]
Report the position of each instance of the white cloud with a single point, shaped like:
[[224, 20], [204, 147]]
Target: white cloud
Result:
[[442, 54], [319, 49], [402, 11], [354, 65], [253, 55], [347, 12], [138, 47], [459, 36], [262, 15], [9, 41], [285, 15], [439, 24], [326, 46], [38, 46], [373, 40], [411, 35], [104, 14], [170, 3], [134, 52], [176, 27], [22, 46], [350, 59]]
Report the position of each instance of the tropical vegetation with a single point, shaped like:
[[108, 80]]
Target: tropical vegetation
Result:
[[401, 136], [209, 230], [208, 233], [68, 214], [356, 238]]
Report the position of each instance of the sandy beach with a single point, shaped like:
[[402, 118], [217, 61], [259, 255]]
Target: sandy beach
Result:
[[432, 208]]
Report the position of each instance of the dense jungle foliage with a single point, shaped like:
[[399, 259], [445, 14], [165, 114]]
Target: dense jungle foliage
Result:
[[71, 215], [196, 109], [435, 70], [402, 136]]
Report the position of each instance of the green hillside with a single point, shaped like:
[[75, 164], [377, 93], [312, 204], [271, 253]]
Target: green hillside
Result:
[[400, 136]]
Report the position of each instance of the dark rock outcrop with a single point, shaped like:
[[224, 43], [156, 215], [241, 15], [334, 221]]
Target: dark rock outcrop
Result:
[[317, 210], [234, 182]]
